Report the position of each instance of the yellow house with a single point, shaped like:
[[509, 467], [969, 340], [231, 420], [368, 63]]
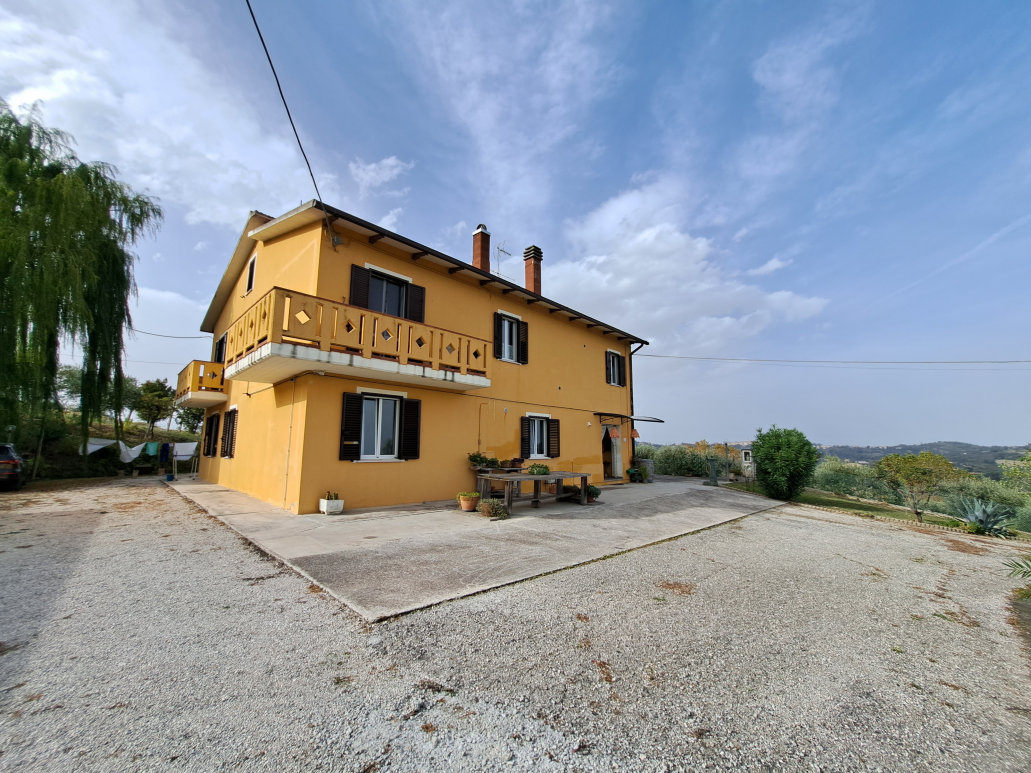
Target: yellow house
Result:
[[351, 359]]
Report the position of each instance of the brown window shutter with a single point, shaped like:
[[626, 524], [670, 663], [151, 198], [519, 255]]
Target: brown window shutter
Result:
[[232, 439], [360, 286], [622, 369], [553, 446], [497, 336], [351, 427], [608, 366], [416, 303], [524, 342], [411, 414], [229, 435], [524, 437]]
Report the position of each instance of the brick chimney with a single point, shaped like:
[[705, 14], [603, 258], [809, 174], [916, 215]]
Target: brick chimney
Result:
[[481, 248], [532, 260]]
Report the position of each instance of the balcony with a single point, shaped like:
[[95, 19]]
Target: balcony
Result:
[[200, 385], [286, 333]]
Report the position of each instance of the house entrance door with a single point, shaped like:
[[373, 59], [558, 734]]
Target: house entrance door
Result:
[[611, 455]]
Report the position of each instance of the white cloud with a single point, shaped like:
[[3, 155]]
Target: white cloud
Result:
[[196, 141], [370, 177], [649, 276], [518, 78], [200, 246], [773, 264], [389, 220]]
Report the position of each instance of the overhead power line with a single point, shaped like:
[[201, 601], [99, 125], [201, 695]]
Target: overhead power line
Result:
[[162, 335], [282, 96], [840, 362]]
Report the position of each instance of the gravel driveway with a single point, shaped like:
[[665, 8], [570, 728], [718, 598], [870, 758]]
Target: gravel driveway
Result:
[[138, 633]]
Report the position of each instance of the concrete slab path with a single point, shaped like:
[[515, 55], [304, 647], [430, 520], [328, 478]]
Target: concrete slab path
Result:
[[389, 562]]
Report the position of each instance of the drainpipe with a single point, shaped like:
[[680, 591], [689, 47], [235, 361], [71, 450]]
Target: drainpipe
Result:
[[289, 439], [630, 378]]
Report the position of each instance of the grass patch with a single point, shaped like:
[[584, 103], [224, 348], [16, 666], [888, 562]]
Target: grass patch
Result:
[[819, 498]]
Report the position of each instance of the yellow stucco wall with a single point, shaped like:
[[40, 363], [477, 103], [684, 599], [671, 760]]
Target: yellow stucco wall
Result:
[[564, 378]]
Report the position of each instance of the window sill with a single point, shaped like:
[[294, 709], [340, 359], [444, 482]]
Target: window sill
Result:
[[374, 461]]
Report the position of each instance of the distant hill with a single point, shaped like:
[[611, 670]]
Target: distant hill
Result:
[[966, 456]]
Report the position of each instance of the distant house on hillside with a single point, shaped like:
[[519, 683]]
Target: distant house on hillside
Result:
[[349, 358]]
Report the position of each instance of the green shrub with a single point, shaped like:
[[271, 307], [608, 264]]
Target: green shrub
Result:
[[679, 460], [1022, 519], [493, 508], [985, 490], [850, 479], [538, 469], [644, 451], [785, 461]]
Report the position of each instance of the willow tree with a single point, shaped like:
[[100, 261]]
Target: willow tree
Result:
[[66, 267]]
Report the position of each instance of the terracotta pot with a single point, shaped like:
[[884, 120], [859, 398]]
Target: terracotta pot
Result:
[[469, 504]]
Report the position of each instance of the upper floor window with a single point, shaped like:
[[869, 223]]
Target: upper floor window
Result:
[[250, 273], [379, 291], [219, 354], [615, 369], [387, 294], [511, 338]]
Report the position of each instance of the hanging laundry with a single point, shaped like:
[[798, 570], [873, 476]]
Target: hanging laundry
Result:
[[152, 448], [95, 444], [127, 454], [181, 451], [166, 452]]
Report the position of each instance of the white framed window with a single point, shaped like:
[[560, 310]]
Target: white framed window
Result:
[[380, 424], [538, 437], [251, 266], [509, 339], [615, 368]]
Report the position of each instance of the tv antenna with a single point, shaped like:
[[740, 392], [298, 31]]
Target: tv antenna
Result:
[[500, 249]]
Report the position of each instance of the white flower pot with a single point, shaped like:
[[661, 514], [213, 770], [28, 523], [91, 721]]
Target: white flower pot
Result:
[[331, 506]]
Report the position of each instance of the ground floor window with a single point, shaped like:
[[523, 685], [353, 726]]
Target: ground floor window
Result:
[[229, 435], [211, 434], [539, 437], [379, 427]]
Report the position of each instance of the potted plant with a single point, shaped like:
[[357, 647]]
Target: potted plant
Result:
[[593, 492], [468, 500], [332, 504], [480, 461], [538, 469]]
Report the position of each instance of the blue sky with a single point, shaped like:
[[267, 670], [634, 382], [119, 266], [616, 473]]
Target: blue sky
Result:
[[804, 181]]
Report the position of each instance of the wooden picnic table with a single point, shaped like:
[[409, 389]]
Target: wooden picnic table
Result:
[[514, 481]]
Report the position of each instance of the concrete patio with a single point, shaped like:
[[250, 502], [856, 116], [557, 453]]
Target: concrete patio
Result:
[[388, 562]]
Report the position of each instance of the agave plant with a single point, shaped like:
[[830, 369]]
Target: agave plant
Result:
[[1019, 567], [983, 517]]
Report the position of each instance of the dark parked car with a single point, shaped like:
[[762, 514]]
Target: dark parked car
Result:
[[12, 467]]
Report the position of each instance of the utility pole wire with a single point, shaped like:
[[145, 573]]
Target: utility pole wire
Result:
[[283, 98], [842, 362]]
